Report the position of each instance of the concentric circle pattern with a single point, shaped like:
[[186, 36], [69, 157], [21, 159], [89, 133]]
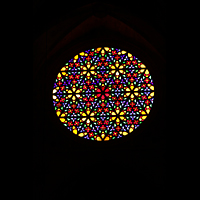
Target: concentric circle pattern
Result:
[[103, 94]]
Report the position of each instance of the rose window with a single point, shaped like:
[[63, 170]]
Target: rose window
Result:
[[103, 94]]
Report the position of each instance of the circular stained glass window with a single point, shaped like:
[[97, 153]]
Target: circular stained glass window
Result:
[[103, 94]]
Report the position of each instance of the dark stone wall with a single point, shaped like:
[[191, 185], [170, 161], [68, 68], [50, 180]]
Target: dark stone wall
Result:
[[68, 168]]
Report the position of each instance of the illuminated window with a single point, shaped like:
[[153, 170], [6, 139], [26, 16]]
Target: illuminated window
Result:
[[103, 94]]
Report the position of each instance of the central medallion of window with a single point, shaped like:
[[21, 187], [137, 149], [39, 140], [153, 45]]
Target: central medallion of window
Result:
[[103, 94]]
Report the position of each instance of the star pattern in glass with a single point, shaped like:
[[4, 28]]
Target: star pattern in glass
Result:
[[103, 94]]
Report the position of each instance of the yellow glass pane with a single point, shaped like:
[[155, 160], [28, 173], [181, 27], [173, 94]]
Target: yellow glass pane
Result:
[[83, 119], [83, 73], [92, 114], [142, 112], [59, 75], [82, 54], [63, 115], [117, 64], [152, 87], [122, 71], [112, 72], [76, 57], [74, 89], [121, 67], [152, 94], [69, 96], [88, 121], [117, 120], [69, 91], [124, 52], [130, 55], [148, 110], [128, 90], [136, 89], [88, 75], [93, 72], [136, 94], [125, 133], [84, 68], [141, 71], [64, 73], [117, 110], [54, 97], [132, 87], [81, 134], [144, 117], [113, 113], [131, 130], [103, 51], [132, 96], [122, 113], [147, 72], [75, 131], [83, 114], [88, 65], [122, 118], [121, 132], [93, 119], [58, 113], [88, 112], [103, 135], [106, 48], [127, 94], [63, 69], [142, 66], [113, 67], [73, 98], [57, 100], [113, 118], [107, 138], [62, 119], [99, 139]]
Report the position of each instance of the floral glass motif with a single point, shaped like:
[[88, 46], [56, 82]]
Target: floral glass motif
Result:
[[103, 94]]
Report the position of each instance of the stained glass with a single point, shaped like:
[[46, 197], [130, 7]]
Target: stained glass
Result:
[[103, 94]]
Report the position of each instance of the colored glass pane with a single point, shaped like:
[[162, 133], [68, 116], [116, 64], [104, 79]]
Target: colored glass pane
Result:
[[103, 94]]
